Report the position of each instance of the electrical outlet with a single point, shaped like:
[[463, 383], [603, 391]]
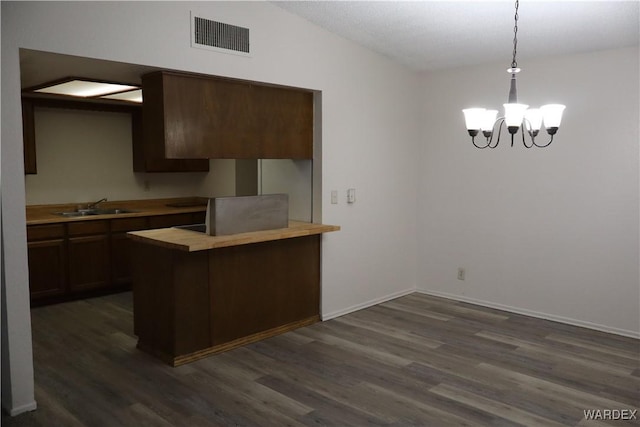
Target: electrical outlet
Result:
[[461, 273], [334, 197]]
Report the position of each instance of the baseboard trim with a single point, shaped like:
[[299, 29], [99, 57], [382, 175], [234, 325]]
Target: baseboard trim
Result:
[[532, 313], [27, 407], [342, 312], [181, 359]]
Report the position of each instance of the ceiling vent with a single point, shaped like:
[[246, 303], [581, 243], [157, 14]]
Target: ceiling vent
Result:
[[218, 36]]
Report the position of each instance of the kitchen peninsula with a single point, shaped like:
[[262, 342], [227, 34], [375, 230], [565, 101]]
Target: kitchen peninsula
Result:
[[195, 295]]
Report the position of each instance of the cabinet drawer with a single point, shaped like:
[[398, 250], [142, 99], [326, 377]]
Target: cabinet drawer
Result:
[[88, 227], [128, 224], [44, 232]]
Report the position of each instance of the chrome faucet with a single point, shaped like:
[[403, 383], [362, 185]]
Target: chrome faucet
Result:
[[95, 204]]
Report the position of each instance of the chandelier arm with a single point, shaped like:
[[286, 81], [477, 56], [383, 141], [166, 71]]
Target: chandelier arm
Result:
[[499, 122], [544, 145], [473, 141], [524, 141]]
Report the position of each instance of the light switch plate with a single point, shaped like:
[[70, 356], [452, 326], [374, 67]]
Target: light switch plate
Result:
[[351, 195], [334, 197]]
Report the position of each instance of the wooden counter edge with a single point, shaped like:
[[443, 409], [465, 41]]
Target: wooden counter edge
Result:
[[192, 241]]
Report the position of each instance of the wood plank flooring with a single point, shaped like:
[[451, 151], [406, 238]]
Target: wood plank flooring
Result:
[[414, 361]]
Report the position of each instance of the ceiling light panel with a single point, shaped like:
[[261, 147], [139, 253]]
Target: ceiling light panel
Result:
[[132, 96], [85, 88]]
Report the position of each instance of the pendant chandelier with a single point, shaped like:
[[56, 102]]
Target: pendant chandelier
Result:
[[516, 116]]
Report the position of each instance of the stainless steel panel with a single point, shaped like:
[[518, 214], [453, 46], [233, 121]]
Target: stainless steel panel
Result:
[[231, 215]]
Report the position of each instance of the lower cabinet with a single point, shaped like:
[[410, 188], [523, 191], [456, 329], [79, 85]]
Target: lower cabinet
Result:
[[121, 247], [89, 258], [189, 305], [47, 251], [84, 258]]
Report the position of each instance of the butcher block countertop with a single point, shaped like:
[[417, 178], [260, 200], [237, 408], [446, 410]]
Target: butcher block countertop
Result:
[[45, 214], [191, 241]]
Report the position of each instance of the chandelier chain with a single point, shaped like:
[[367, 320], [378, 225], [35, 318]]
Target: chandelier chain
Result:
[[514, 64]]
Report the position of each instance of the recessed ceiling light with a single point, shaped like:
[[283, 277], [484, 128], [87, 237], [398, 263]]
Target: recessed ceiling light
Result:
[[132, 96], [84, 88]]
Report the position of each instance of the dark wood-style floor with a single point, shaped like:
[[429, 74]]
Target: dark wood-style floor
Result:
[[414, 361]]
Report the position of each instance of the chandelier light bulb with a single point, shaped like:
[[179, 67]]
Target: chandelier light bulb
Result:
[[488, 120], [552, 115], [473, 119], [514, 114], [533, 120]]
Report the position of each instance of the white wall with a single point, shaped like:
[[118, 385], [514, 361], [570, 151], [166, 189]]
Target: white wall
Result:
[[369, 133], [551, 232], [292, 177], [87, 155]]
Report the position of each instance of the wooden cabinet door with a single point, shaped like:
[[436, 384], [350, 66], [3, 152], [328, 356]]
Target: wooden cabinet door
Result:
[[88, 262], [47, 252], [282, 122], [89, 257], [208, 117], [149, 134], [121, 248], [29, 137], [47, 274]]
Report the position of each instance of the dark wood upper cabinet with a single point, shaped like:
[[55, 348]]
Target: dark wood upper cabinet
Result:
[[29, 137], [210, 117], [282, 122], [148, 141]]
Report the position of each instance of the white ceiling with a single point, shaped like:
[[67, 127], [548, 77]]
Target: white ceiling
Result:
[[428, 35], [424, 35]]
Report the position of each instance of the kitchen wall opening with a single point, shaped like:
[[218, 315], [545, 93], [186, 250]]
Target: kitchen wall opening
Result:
[[85, 155]]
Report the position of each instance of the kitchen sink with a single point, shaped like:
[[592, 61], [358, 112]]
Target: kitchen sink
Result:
[[91, 212], [74, 213]]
